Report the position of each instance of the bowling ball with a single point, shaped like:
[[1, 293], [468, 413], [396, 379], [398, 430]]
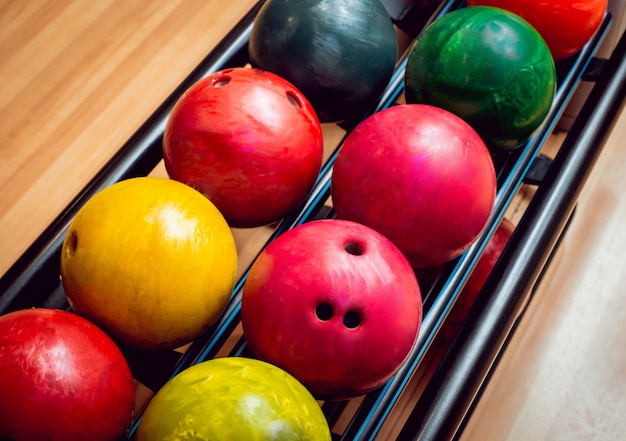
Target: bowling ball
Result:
[[340, 53], [151, 260], [61, 379], [249, 141], [419, 175], [481, 272], [565, 25], [233, 399], [335, 304], [488, 66]]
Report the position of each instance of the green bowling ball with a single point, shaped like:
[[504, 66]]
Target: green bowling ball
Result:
[[233, 398], [487, 66]]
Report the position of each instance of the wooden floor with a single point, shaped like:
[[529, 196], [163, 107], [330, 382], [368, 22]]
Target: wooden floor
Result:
[[78, 78]]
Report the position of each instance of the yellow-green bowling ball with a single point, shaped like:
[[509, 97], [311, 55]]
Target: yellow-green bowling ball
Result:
[[233, 398]]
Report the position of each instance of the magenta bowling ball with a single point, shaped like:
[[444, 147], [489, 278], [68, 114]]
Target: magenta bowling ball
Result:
[[420, 176], [335, 304]]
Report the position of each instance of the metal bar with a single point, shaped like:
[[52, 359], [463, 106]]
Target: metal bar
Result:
[[378, 404], [443, 405]]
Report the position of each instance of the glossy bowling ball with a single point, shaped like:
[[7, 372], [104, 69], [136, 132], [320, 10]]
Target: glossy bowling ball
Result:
[[419, 175], [481, 272], [335, 304], [488, 66], [249, 141], [340, 53], [233, 399], [151, 260], [61, 379], [565, 25]]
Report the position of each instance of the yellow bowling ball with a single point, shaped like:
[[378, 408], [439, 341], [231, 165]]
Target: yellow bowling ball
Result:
[[233, 399], [150, 260]]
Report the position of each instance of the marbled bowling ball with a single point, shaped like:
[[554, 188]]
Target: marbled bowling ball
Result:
[[488, 66], [233, 399]]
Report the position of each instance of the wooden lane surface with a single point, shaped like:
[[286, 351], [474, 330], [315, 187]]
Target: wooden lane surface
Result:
[[78, 78], [563, 376]]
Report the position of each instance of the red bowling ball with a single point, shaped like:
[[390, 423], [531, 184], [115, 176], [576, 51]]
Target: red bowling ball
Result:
[[481, 272], [419, 175], [565, 25], [335, 304], [249, 141], [61, 379]]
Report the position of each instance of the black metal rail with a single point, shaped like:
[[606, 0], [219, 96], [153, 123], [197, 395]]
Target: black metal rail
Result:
[[33, 280], [444, 405]]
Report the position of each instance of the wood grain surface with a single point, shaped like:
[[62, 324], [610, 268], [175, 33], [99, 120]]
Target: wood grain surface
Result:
[[77, 78]]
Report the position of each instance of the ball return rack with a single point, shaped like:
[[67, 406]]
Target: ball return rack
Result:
[[450, 393]]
